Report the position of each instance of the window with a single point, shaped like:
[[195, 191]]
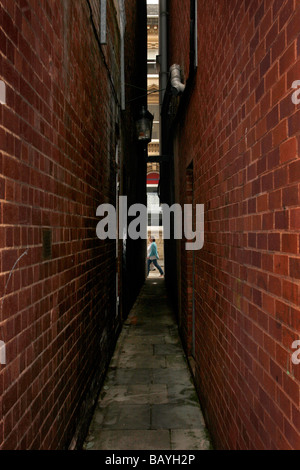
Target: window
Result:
[[154, 109], [152, 53], [151, 68], [155, 130]]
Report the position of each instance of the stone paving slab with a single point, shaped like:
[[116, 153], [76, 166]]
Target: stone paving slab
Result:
[[137, 361], [132, 439], [140, 348], [129, 376], [165, 349], [122, 417], [172, 376], [189, 439], [134, 339], [176, 416], [175, 361], [134, 394], [148, 400], [182, 393]]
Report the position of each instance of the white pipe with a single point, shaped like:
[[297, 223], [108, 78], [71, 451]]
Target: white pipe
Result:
[[176, 83], [103, 38]]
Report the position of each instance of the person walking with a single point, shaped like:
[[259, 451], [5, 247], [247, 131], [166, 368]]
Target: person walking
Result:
[[152, 257]]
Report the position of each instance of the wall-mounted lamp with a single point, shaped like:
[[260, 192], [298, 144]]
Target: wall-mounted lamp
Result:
[[144, 124]]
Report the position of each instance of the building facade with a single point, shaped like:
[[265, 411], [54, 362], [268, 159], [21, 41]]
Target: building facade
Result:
[[155, 228], [69, 75], [230, 124]]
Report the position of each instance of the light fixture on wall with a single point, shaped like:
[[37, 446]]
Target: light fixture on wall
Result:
[[144, 124]]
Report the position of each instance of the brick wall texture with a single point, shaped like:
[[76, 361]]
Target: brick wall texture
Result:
[[58, 135], [240, 129]]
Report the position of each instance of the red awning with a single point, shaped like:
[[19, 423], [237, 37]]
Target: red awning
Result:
[[153, 178]]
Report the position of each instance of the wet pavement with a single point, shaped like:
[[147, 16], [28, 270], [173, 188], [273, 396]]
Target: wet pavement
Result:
[[148, 400]]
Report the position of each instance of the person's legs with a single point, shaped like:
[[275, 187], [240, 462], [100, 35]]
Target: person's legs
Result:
[[157, 266], [149, 261]]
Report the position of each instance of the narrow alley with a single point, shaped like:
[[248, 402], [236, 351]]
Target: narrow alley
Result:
[[138, 135], [148, 400]]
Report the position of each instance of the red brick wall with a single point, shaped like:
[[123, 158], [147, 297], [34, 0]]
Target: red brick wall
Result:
[[241, 129], [57, 164], [186, 283]]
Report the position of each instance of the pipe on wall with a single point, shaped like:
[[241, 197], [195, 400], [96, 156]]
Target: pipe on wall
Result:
[[177, 86], [163, 15]]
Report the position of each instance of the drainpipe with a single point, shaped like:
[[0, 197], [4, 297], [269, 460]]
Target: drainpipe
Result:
[[176, 84], [163, 75], [122, 31], [163, 55], [103, 35]]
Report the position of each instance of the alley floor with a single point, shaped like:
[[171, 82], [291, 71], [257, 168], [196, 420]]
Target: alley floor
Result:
[[148, 400]]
